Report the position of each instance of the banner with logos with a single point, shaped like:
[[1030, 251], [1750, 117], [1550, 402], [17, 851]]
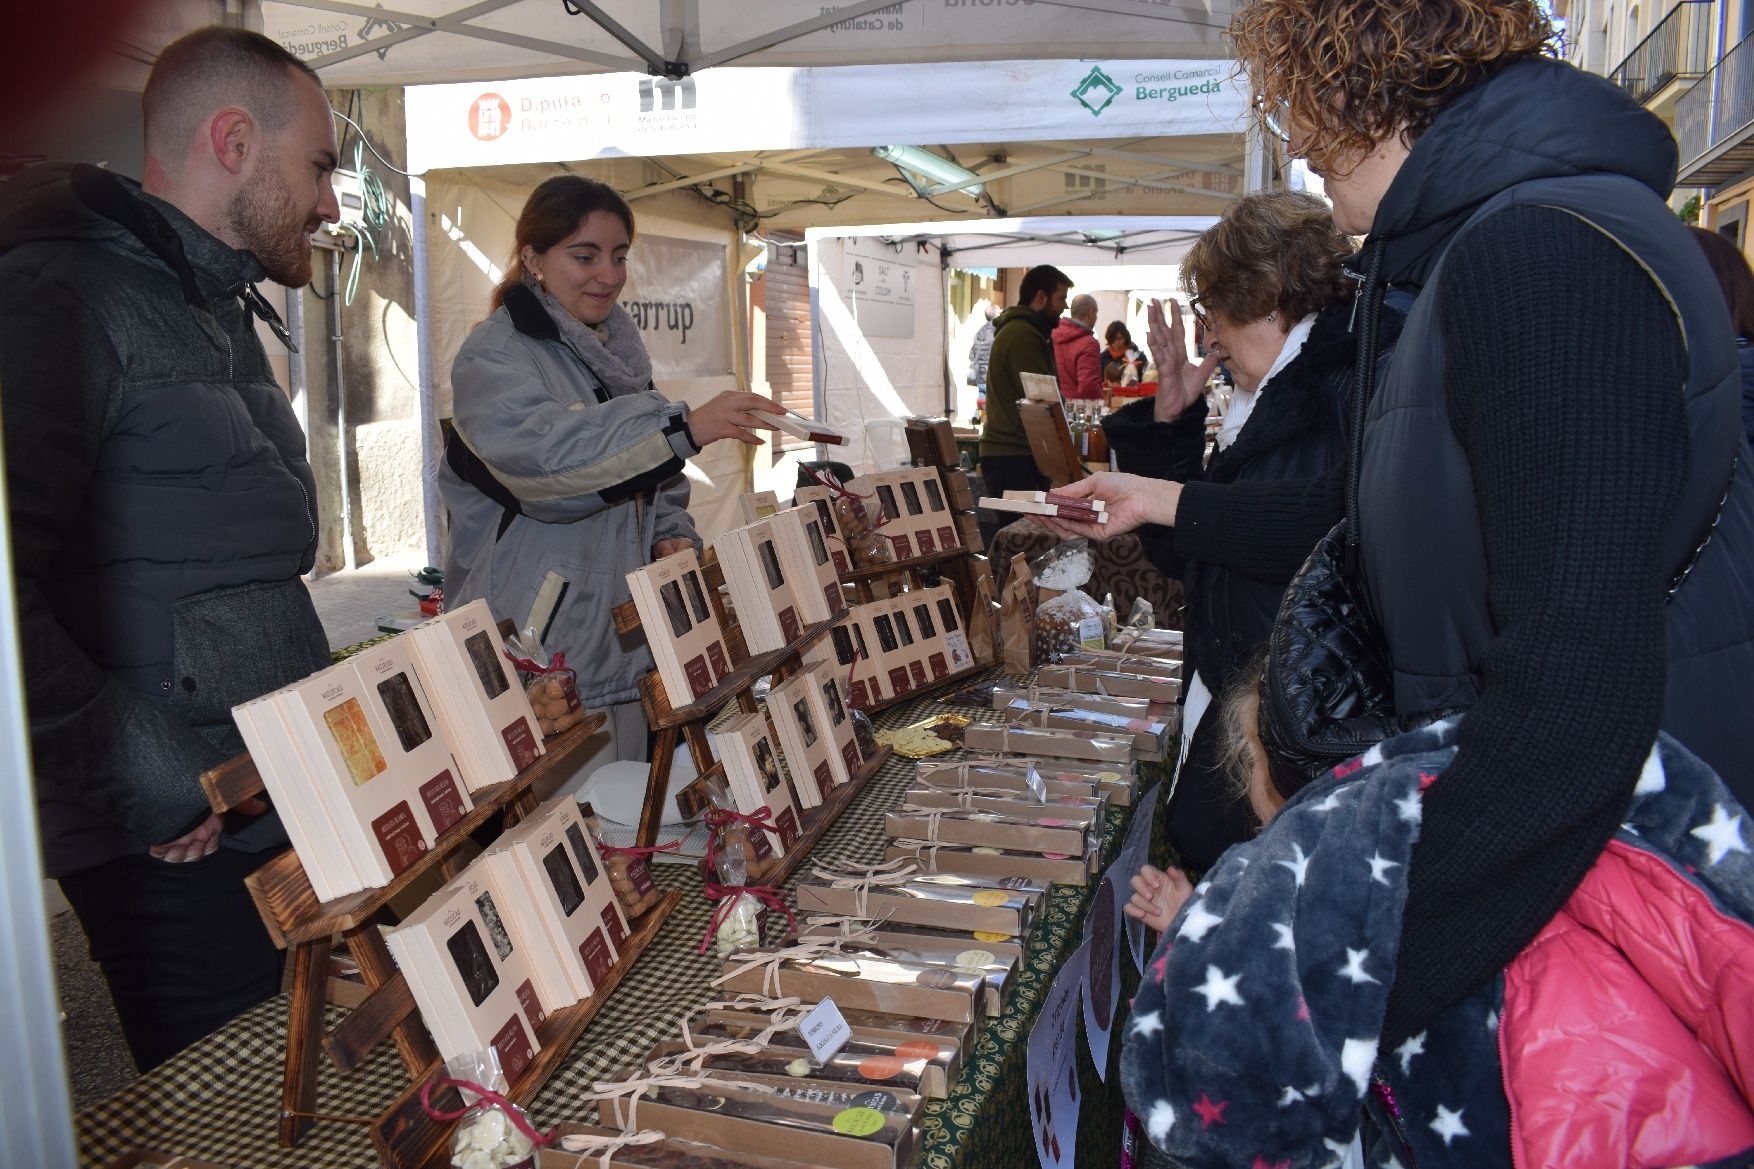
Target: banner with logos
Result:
[[732, 110], [676, 295]]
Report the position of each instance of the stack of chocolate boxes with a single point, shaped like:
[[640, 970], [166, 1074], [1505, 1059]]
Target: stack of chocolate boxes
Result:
[[914, 640], [914, 513], [683, 631], [370, 760]]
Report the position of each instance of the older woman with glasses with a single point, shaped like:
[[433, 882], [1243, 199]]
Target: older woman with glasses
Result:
[[1272, 303]]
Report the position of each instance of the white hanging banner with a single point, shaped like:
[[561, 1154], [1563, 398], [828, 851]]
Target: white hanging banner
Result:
[[729, 110], [676, 295], [877, 283]]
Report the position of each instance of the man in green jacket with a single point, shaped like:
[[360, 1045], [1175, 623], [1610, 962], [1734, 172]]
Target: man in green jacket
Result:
[[1021, 344]]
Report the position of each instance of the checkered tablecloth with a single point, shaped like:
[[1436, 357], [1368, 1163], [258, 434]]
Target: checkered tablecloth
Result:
[[220, 1099]]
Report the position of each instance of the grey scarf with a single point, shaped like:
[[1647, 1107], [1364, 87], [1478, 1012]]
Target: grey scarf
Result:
[[612, 351]]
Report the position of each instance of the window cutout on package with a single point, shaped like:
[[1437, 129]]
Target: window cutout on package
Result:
[[911, 494], [475, 968], [859, 637], [934, 497], [697, 597], [771, 562], [826, 515], [353, 735], [564, 880], [397, 694], [801, 708], [581, 851], [767, 765], [671, 594], [831, 695], [502, 941], [947, 614], [923, 619], [885, 633], [818, 546], [486, 661], [886, 494], [843, 644], [901, 628]]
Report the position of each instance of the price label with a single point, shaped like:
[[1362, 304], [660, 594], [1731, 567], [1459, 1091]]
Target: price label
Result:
[[825, 1030]]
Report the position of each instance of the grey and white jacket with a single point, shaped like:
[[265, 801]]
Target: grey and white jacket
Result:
[[550, 474]]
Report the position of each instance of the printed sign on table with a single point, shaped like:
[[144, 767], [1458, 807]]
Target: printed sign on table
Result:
[[1052, 1066], [1135, 851], [1102, 937]]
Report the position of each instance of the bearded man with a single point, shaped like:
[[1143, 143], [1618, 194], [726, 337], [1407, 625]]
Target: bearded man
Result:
[[162, 512]]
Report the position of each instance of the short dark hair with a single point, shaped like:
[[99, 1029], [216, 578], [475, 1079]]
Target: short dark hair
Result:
[[1116, 329], [1733, 277], [209, 69], [554, 211], [1043, 278]]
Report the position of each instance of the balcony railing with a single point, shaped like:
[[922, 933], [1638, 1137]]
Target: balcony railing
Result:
[[1714, 121], [1678, 48]]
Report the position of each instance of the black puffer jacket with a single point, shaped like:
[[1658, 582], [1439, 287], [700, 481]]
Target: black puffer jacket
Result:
[[162, 508], [1244, 526]]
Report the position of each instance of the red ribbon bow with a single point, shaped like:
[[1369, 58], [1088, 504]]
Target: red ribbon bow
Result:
[[616, 850], [487, 1096], [555, 665], [726, 896]]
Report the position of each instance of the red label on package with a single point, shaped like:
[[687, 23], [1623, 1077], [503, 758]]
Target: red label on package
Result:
[[947, 537], [898, 681], [513, 1044], [856, 693], [612, 923], [925, 539], [759, 844], [904, 550], [787, 823], [640, 877], [594, 950], [444, 803], [715, 653], [939, 666], [837, 600], [918, 671], [699, 680], [532, 1005], [789, 627], [824, 781], [841, 567], [520, 740], [399, 837], [849, 753]]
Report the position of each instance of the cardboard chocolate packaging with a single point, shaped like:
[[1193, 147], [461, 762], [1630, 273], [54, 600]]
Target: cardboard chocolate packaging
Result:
[[852, 642], [1083, 810], [310, 820], [997, 971], [809, 564], [860, 981], [687, 644], [1005, 693], [847, 1066], [766, 596], [1119, 782], [960, 490], [811, 1121], [751, 755], [1093, 680], [475, 693], [757, 505], [940, 1056], [803, 740], [1095, 747], [1009, 772], [927, 902], [935, 530], [1163, 642], [828, 704], [668, 1153], [993, 862], [1151, 737], [1125, 662], [1051, 835], [822, 500], [950, 1037]]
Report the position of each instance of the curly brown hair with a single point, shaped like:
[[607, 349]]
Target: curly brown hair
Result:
[[1354, 72], [1271, 250]]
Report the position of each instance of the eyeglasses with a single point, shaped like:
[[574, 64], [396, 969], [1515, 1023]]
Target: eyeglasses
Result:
[[1276, 118], [1198, 309]]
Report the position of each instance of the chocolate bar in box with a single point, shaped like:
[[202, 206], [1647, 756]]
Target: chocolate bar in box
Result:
[[1091, 746], [950, 1036], [847, 1066], [997, 971], [1084, 810], [937, 1060], [994, 862], [1123, 662], [784, 1117], [1120, 783], [1004, 693], [1049, 836], [1167, 643], [669, 1153], [928, 900], [1151, 737], [996, 772], [861, 981], [1095, 680]]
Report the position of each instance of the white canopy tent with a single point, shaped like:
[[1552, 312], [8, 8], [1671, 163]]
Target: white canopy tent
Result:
[[880, 325]]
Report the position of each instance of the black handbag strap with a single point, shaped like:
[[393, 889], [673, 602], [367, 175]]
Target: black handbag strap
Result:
[[1366, 317]]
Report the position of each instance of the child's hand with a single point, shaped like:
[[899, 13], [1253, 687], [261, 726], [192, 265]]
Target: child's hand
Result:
[[1158, 896]]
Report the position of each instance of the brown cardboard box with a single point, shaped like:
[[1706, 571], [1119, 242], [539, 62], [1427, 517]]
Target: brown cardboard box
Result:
[[862, 982], [787, 1118], [1009, 772], [668, 1153], [1156, 666], [959, 489], [939, 1058], [1163, 642], [988, 830], [847, 1066], [1094, 681], [1119, 783], [1007, 692], [1085, 810], [1094, 747], [948, 1034], [927, 900], [993, 862], [1151, 737]]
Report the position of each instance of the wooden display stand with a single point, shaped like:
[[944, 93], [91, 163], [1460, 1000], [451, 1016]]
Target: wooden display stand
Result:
[[405, 1136], [689, 723], [1050, 441]]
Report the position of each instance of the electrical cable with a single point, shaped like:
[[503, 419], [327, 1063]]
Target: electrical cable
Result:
[[388, 165]]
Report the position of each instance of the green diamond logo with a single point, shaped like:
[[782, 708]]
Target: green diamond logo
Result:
[[1096, 91]]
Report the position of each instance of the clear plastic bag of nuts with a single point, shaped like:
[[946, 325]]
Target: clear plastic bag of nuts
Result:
[[629, 877], [551, 687]]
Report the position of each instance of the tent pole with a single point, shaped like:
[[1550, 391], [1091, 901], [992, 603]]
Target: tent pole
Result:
[[427, 414]]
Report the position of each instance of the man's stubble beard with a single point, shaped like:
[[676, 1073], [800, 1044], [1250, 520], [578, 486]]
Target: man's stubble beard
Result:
[[265, 222]]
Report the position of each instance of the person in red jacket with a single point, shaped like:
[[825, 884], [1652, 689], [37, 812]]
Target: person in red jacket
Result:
[[1077, 356]]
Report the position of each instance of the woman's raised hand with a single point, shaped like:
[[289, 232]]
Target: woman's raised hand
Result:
[[731, 415], [1180, 382], [1128, 500]]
